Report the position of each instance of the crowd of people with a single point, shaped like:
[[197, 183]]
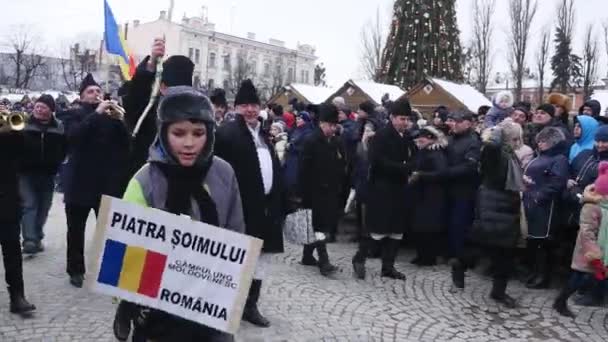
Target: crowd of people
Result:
[[526, 187]]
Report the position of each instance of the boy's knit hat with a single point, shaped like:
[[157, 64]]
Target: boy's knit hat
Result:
[[601, 183]]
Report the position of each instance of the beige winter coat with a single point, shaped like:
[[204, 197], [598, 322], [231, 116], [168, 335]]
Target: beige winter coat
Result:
[[586, 248]]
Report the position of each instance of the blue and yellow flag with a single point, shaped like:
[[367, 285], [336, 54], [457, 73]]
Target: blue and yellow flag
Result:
[[116, 45]]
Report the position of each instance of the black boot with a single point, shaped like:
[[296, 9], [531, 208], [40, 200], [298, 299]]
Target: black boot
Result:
[[458, 270], [76, 280], [307, 256], [499, 287], [388, 260], [251, 313], [359, 258], [561, 302], [325, 267], [542, 280], [19, 305], [122, 321]]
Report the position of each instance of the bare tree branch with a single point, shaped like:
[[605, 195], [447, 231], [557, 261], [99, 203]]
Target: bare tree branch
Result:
[[590, 61], [521, 13], [483, 30], [372, 45], [542, 58], [22, 41]]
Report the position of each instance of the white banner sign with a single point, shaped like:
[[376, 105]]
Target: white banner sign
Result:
[[172, 263]]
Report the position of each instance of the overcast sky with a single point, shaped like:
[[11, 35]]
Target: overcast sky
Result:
[[332, 26]]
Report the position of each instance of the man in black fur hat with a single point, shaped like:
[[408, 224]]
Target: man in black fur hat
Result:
[[244, 144], [177, 70], [220, 106], [322, 170], [391, 156], [98, 154]]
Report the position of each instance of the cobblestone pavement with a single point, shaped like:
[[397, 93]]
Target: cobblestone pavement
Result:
[[303, 306]]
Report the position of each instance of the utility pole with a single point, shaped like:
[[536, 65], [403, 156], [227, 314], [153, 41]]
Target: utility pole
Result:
[[171, 6]]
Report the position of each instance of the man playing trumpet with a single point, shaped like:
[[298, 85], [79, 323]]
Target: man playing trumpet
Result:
[[11, 147], [98, 155]]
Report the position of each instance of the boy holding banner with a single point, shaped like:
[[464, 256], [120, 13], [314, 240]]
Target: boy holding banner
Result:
[[183, 176]]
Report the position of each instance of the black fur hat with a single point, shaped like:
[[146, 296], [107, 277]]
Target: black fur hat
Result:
[[401, 107], [328, 113], [177, 71], [218, 97], [88, 81], [247, 94]]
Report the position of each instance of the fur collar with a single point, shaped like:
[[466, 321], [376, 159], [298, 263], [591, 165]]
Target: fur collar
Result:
[[442, 140], [590, 196]]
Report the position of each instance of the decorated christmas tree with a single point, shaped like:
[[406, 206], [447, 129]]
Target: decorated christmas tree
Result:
[[423, 41]]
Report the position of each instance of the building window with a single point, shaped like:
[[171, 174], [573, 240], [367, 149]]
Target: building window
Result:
[[211, 84], [227, 62], [212, 60], [190, 53], [226, 85], [197, 56], [253, 65], [306, 79], [302, 76], [289, 75], [266, 69]]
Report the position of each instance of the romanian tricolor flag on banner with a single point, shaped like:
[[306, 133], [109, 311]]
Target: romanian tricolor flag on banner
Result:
[[131, 268], [116, 45]]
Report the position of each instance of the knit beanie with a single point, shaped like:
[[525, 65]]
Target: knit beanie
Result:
[[601, 183], [547, 108], [602, 133], [304, 116], [48, 101], [278, 125], [368, 107]]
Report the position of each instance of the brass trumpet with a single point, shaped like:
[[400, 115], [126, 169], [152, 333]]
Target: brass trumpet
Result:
[[15, 120], [115, 111]]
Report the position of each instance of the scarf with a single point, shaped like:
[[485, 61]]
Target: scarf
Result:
[[602, 237], [185, 184], [515, 178]]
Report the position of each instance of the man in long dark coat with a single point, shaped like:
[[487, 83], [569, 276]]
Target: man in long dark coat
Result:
[[248, 149], [391, 161], [98, 154], [12, 145], [321, 177]]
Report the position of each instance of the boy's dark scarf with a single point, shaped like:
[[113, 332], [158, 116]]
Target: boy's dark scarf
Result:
[[185, 183]]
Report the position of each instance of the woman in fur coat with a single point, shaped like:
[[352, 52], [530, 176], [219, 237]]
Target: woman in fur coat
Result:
[[546, 177]]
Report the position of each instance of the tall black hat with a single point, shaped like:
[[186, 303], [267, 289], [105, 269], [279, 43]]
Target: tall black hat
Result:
[[177, 71], [218, 97], [328, 113], [401, 107], [88, 81], [246, 94]]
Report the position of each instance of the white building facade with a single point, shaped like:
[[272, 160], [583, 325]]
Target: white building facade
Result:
[[222, 60]]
